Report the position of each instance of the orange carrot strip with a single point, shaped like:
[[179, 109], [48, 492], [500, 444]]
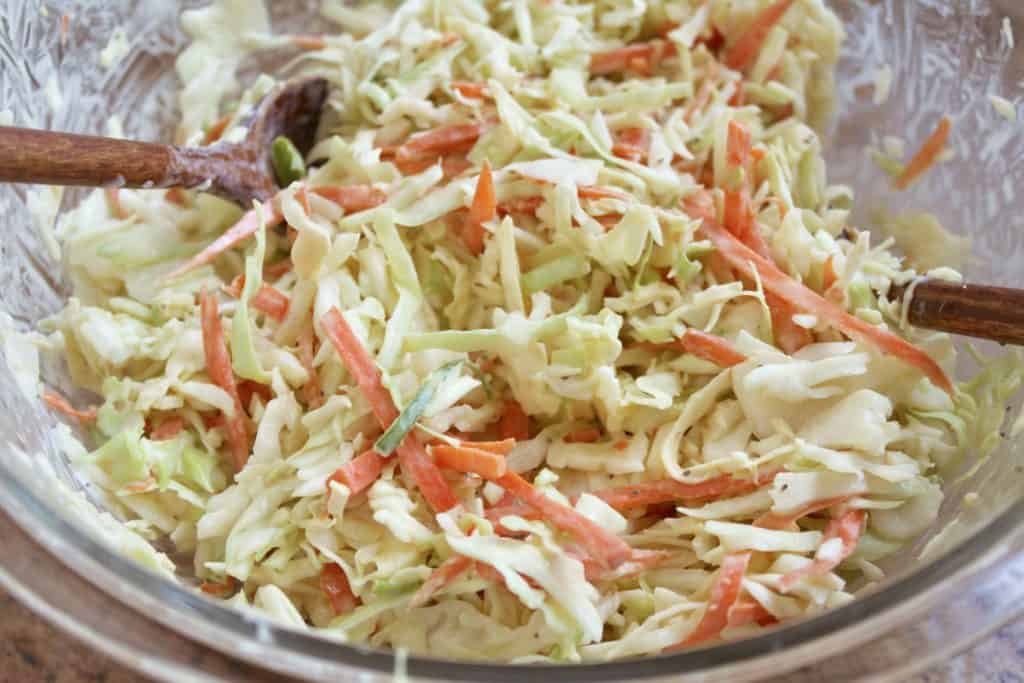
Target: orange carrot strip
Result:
[[724, 594], [276, 270], [311, 391], [639, 562], [747, 611], [476, 91], [789, 336], [168, 429], [440, 141], [738, 145], [847, 529], [309, 42], [641, 57], [831, 277], [669, 490], [598, 192], [59, 403], [515, 424], [604, 547], [584, 435], [744, 51], [483, 209], [503, 447], [217, 128], [114, 200], [470, 460], [334, 584], [351, 198], [218, 366], [441, 578], [520, 205], [245, 228], [359, 473], [926, 156], [632, 144], [779, 522], [711, 348], [411, 454], [267, 300], [801, 298], [176, 195]]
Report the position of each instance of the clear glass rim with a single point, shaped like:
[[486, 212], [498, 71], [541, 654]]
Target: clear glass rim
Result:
[[178, 605]]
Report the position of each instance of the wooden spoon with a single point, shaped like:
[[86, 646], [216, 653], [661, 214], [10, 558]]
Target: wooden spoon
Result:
[[980, 311], [238, 172]]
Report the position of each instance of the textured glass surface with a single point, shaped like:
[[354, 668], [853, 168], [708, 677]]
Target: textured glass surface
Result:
[[946, 58]]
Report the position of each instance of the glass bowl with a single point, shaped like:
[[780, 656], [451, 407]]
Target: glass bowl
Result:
[[951, 588]]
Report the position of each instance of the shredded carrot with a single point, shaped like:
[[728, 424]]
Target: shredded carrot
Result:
[[584, 435], [745, 50], [411, 454], [739, 98], [847, 529], [247, 389], [275, 270], [218, 366], [114, 201], [334, 584], [311, 391], [747, 611], [168, 429], [831, 277], [603, 546], [441, 141], [217, 128], [803, 299], [245, 228], [789, 336], [926, 156], [60, 404], [475, 91], [482, 210], [640, 57], [515, 424], [178, 196], [470, 460], [632, 143], [711, 348], [361, 472], [777, 521], [598, 192], [267, 300], [528, 205], [503, 447], [640, 561], [351, 198], [219, 589], [669, 490], [65, 28], [309, 42], [700, 204], [738, 145], [621, 444], [441, 578], [724, 594]]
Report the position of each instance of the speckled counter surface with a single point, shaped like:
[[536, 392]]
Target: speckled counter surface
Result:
[[32, 651]]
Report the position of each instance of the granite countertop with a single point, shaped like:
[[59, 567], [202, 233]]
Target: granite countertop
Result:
[[32, 651]]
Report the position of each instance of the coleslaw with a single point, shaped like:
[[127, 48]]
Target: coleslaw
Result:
[[558, 346]]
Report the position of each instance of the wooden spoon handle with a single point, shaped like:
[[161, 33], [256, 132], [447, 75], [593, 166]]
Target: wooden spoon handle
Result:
[[39, 156], [995, 313]]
